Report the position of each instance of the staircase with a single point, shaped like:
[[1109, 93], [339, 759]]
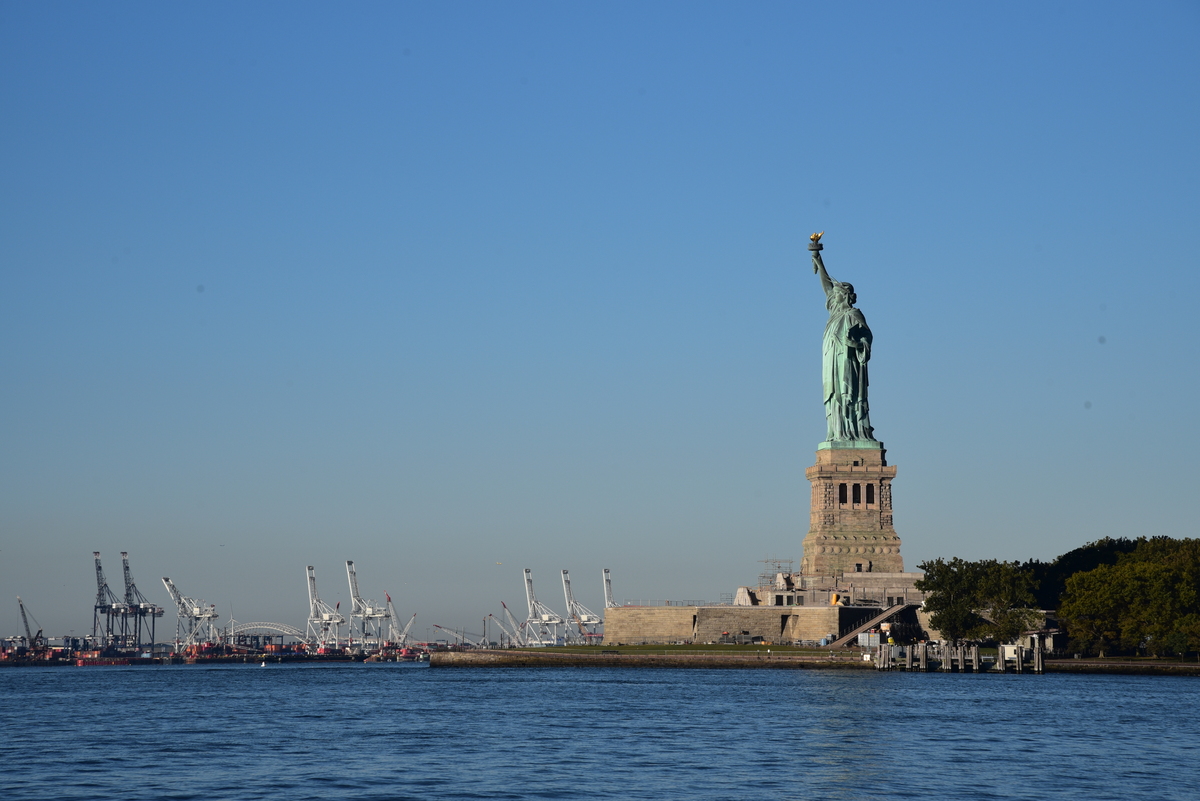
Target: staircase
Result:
[[852, 635]]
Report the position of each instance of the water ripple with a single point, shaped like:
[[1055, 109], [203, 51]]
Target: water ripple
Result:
[[398, 732]]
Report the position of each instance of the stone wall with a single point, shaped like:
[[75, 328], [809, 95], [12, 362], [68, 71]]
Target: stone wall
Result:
[[638, 625], [774, 624], [635, 625]]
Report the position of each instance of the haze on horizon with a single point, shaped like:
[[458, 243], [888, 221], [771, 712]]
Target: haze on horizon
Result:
[[452, 291]]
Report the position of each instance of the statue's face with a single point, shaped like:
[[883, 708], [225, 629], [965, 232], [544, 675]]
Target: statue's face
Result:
[[850, 296]]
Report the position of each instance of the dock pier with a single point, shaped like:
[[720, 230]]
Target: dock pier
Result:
[[944, 658]]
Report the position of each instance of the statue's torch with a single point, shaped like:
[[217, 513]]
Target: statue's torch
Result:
[[816, 247]]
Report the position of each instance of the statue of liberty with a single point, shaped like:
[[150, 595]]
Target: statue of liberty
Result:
[[845, 351]]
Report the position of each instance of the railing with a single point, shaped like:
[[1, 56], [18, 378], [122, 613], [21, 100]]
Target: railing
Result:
[[857, 624], [636, 602]]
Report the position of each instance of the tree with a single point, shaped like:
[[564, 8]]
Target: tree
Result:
[[1148, 602], [1051, 577], [951, 597], [1091, 609], [1005, 595], [978, 600]]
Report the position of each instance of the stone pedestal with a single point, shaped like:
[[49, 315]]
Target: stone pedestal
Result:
[[851, 522]]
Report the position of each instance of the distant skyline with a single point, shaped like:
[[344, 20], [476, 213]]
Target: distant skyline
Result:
[[452, 291]]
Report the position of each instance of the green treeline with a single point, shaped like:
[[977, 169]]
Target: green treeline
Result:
[[1112, 596]]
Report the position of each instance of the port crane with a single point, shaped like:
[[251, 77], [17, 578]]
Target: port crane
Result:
[[35, 642], [322, 619], [466, 637], [140, 613], [195, 622], [513, 630], [366, 617], [541, 627], [108, 606], [585, 619], [397, 636], [609, 603], [455, 636]]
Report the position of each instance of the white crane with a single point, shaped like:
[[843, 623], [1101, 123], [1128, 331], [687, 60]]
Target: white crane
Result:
[[467, 637], [454, 636], [585, 619], [513, 630], [322, 620], [541, 627], [504, 634], [609, 603], [397, 636], [195, 623], [366, 617]]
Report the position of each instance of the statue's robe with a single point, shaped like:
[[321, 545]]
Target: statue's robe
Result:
[[844, 371]]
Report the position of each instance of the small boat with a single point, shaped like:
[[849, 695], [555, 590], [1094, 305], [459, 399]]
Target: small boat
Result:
[[264, 664]]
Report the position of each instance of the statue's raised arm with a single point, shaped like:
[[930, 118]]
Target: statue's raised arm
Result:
[[815, 248]]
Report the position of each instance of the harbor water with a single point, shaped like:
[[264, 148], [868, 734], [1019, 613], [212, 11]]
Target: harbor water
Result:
[[395, 731]]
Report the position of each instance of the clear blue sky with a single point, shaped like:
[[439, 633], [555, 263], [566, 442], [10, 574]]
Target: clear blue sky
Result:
[[437, 286]]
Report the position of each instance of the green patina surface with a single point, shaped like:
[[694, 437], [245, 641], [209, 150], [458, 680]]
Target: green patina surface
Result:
[[845, 351]]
